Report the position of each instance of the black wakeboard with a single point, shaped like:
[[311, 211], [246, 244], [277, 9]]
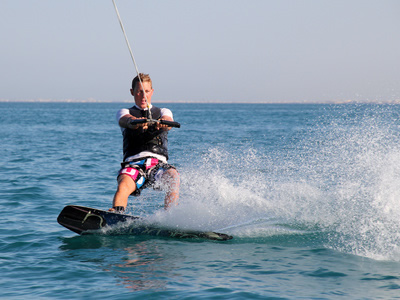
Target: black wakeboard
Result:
[[86, 220]]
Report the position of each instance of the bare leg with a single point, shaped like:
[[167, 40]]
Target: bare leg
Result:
[[126, 186], [172, 181]]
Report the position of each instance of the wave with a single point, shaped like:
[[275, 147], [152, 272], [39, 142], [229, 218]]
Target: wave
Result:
[[340, 179]]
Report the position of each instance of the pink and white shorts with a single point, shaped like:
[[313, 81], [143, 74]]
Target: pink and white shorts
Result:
[[144, 172]]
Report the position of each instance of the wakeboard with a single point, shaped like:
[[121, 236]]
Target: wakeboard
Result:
[[86, 220]]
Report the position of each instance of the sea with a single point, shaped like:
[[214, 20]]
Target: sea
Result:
[[309, 192]]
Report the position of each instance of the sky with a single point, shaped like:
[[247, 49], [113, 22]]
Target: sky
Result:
[[201, 51]]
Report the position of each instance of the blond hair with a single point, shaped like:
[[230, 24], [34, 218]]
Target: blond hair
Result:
[[143, 78]]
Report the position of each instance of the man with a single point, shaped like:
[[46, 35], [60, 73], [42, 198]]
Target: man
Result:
[[145, 149]]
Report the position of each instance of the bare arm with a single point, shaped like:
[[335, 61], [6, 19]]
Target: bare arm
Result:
[[125, 122]]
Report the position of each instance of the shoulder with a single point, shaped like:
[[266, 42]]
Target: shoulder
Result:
[[166, 112], [121, 113], [163, 111]]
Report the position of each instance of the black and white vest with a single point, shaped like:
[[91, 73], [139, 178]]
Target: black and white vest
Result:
[[152, 140]]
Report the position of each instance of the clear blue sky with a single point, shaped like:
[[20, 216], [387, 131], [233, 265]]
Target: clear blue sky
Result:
[[219, 50]]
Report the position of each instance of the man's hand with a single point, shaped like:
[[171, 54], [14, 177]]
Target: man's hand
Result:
[[164, 126], [126, 122], [144, 126]]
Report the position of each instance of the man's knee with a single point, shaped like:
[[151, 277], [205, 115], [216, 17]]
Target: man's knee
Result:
[[171, 177], [171, 173], [126, 184]]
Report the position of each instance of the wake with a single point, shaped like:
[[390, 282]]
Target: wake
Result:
[[342, 178]]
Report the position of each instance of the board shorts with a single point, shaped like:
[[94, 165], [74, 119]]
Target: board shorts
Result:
[[145, 172]]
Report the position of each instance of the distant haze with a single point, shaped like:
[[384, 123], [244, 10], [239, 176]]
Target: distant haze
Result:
[[202, 51]]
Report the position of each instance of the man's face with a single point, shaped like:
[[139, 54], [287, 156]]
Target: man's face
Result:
[[138, 94]]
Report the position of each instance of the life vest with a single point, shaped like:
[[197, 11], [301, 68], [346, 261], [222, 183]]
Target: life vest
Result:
[[136, 141]]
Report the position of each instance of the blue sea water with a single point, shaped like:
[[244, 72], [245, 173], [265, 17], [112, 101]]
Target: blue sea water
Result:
[[309, 192]]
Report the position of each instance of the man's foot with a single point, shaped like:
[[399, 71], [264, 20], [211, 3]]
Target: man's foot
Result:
[[117, 209]]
